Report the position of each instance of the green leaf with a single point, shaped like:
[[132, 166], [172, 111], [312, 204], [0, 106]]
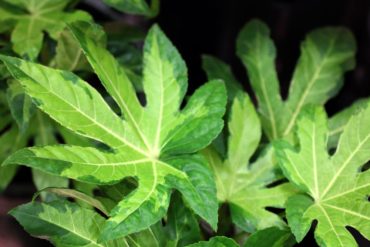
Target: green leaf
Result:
[[137, 7], [246, 190], [10, 140], [217, 241], [271, 237], [20, 105], [337, 122], [69, 55], [181, 228], [63, 223], [338, 188], [33, 18], [76, 195], [43, 133], [326, 54], [137, 140], [217, 69]]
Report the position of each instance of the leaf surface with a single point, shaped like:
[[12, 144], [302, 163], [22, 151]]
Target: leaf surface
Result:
[[65, 224], [326, 54], [138, 141], [33, 17], [246, 190], [336, 190]]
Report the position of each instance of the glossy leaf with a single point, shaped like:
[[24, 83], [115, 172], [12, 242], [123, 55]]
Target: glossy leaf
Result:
[[326, 54], [141, 143], [246, 188], [336, 190]]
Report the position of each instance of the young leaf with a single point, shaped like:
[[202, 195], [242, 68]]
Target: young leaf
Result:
[[64, 223], [143, 142], [246, 188], [138, 7], [326, 54], [336, 189], [34, 17]]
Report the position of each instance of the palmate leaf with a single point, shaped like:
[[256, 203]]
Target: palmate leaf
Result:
[[246, 190], [153, 144], [64, 223], [335, 189], [326, 54], [34, 17]]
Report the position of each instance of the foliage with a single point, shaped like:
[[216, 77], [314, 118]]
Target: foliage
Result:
[[149, 144], [337, 188], [141, 163]]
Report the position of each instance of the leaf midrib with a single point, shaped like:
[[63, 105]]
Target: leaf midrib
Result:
[[124, 141], [308, 88]]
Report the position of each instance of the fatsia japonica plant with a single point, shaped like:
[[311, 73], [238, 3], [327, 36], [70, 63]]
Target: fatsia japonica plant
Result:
[[155, 169], [153, 144], [326, 54]]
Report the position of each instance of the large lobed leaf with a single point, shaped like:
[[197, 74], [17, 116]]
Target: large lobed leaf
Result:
[[335, 189], [326, 54], [151, 143], [246, 188]]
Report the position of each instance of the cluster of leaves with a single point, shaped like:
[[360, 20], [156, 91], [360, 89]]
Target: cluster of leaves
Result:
[[152, 169]]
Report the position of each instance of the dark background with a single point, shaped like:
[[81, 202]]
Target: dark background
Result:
[[199, 27]]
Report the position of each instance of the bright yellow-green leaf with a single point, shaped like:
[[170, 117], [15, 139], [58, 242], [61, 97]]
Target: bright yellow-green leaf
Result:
[[335, 189], [152, 143]]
